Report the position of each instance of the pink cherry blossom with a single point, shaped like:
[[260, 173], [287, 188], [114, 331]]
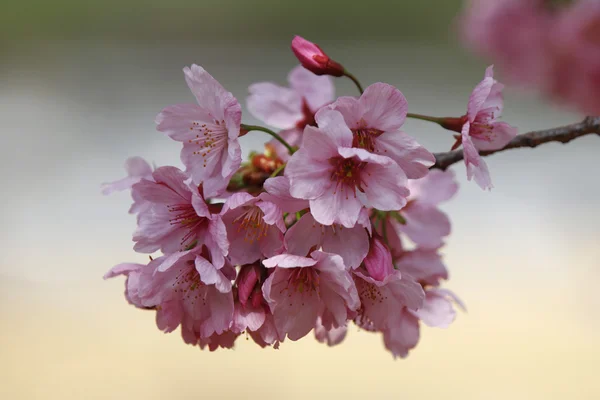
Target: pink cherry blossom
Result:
[[339, 180], [254, 228], [352, 244], [381, 299], [575, 58], [314, 59], [514, 34], [290, 109], [208, 130], [176, 217], [423, 222], [375, 120], [186, 289], [301, 289], [481, 130]]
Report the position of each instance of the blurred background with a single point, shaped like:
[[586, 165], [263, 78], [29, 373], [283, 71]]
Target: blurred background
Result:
[[80, 85]]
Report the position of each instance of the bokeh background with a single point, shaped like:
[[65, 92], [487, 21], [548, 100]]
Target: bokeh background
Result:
[[80, 85]]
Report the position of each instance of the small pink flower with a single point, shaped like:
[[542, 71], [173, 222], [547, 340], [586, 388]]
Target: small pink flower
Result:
[[208, 130], [186, 289], [481, 130], [338, 180], [175, 217], [514, 34], [290, 109], [314, 59], [301, 289], [424, 223], [352, 244], [254, 228], [376, 119], [575, 61], [381, 299]]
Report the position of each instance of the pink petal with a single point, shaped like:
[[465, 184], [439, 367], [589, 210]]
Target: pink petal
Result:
[[332, 124], [317, 90], [385, 188], [438, 186], [275, 105], [209, 93], [476, 166], [351, 109], [499, 136], [273, 215], [212, 276], [308, 178], [437, 311], [175, 121], [288, 261], [122, 269], [478, 97], [332, 336], [278, 192], [425, 225], [336, 207], [403, 335], [303, 235], [384, 106], [413, 158]]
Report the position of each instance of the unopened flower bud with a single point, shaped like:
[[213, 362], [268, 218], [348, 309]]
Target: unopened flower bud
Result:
[[314, 59]]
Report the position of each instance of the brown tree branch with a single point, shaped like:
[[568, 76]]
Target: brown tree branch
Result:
[[563, 134]]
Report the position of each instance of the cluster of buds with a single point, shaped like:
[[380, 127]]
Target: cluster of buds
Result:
[[337, 222], [551, 45]]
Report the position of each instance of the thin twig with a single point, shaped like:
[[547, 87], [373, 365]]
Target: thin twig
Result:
[[563, 134]]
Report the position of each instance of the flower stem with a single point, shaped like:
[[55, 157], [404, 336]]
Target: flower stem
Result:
[[355, 80], [425, 118], [270, 132], [277, 171]]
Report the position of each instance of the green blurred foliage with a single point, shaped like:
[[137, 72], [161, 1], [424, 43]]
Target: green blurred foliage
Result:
[[192, 20]]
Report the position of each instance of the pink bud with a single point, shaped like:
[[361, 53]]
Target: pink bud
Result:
[[379, 260], [247, 279], [314, 59]]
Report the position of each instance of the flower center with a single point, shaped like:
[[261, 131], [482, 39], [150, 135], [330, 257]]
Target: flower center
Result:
[[364, 138], [347, 174], [308, 116], [209, 137], [369, 292], [187, 283], [303, 280], [185, 217], [252, 222]]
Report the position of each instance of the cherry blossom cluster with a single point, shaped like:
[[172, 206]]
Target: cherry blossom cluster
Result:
[[336, 222], [552, 45]]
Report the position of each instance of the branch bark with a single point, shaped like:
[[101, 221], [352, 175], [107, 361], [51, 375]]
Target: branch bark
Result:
[[563, 134]]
